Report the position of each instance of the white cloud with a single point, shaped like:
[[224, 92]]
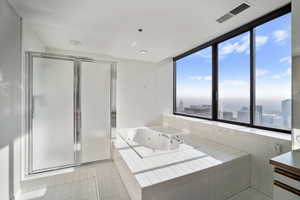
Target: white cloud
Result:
[[243, 44], [200, 78], [196, 78], [287, 59], [204, 54], [261, 72], [277, 76], [288, 72], [280, 35], [234, 83], [207, 78], [261, 40], [240, 46], [228, 48]]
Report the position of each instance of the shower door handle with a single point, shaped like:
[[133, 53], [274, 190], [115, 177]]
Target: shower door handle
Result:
[[78, 131]]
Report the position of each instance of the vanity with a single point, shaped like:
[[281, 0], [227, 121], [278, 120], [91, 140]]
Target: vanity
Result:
[[286, 175]]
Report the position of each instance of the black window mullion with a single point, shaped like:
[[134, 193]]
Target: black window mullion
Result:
[[174, 87], [215, 82], [252, 76]]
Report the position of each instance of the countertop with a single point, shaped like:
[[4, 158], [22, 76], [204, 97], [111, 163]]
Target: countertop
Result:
[[289, 161]]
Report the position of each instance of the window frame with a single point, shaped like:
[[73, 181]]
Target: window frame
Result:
[[249, 27], [212, 101]]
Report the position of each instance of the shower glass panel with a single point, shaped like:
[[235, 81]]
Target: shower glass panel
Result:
[[71, 104], [95, 111], [52, 135]]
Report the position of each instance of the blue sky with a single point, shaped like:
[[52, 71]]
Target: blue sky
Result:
[[273, 67]]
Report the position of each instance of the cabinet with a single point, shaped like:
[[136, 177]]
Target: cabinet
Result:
[[286, 185]]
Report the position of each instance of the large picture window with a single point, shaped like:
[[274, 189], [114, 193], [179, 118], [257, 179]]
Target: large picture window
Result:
[[234, 79], [273, 73], [194, 80], [242, 77]]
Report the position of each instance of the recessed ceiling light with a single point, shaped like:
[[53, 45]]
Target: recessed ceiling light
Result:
[[75, 42], [140, 30], [133, 44], [143, 52]]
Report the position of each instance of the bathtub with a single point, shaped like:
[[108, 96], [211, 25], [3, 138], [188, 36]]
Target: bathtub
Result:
[[164, 163], [154, 139]]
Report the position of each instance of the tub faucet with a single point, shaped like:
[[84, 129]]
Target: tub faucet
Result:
[[166, 136]]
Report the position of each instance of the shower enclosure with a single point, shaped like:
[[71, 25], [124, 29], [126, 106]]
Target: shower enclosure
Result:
[[71, 110]]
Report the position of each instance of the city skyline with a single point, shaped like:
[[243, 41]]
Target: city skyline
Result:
[[281, 119]]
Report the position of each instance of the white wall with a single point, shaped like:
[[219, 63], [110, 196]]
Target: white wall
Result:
[[296, 72], [144, 92], [144, 89], [296, 100], [165, 85], [30, 40], [10, 99]]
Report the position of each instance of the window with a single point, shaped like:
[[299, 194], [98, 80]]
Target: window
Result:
[[194, 84], [242, 77], [273, 73], [234, 79]]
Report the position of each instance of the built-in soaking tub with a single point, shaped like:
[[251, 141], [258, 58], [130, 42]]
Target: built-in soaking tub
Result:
[[163, 163]]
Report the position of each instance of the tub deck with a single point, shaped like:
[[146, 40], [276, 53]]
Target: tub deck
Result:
[[203, 159]]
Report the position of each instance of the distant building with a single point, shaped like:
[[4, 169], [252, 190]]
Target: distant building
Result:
[[202, 110], [243, 115], [228, 115], [180, 107], [258, 114], [278, 122], [268, 119], [286, 112]]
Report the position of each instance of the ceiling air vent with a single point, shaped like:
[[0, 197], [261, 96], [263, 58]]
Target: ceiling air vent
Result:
[[240, 8], [224, 18], [233, 12]]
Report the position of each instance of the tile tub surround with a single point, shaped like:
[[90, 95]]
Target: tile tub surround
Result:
[[209, 171], [260, 144]]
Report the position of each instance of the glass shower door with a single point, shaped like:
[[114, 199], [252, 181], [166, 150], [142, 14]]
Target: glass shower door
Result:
[[70, 103], [95, 110], [52, 106]]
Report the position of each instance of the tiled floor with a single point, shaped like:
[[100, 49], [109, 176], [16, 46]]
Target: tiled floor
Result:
[[250, 194], [97, 182], [81, 184]]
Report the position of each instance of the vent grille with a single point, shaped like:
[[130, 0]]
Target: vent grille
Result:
[[237, 10], [224, 18]]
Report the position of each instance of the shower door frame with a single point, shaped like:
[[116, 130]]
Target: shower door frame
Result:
[[77, 134]]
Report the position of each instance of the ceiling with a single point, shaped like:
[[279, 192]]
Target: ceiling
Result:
[[110, 27]]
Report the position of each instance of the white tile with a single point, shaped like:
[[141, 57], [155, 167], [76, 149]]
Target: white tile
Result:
[[152, 177], [142, 180], [161, 175]]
